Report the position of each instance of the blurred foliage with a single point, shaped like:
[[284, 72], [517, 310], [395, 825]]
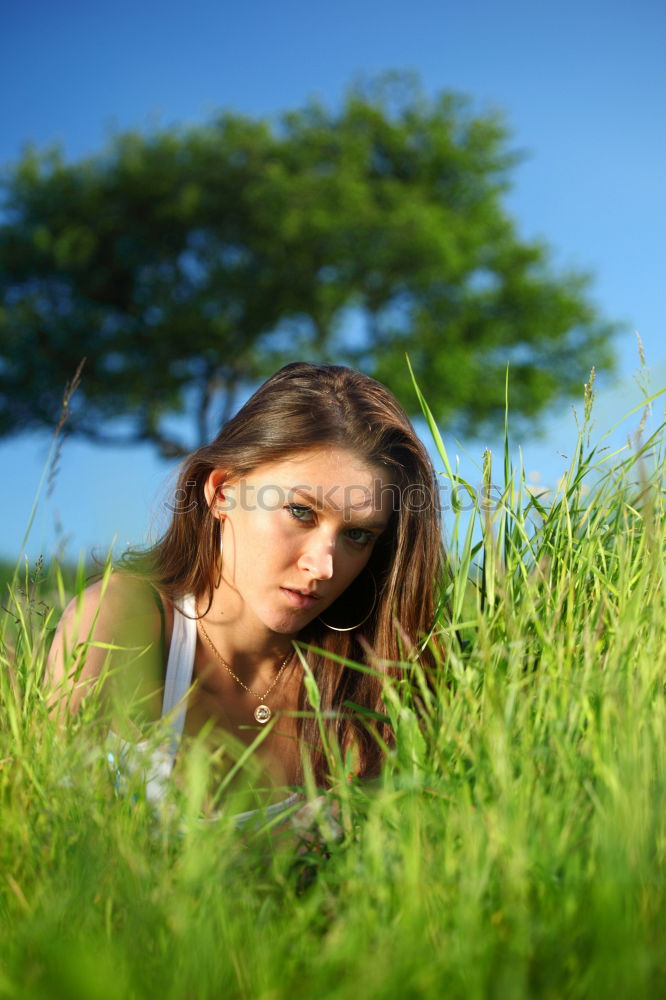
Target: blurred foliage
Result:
[[6, 576], [189, 263], [39, 584]]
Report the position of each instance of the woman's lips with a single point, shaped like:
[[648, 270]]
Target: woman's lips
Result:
[[298, 600]]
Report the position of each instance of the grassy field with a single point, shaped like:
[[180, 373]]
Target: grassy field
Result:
[[514, 846]]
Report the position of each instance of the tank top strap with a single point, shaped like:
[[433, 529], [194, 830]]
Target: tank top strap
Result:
[[180, 665]]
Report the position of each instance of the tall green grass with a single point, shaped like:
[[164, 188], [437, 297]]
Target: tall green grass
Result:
[[514, 846]]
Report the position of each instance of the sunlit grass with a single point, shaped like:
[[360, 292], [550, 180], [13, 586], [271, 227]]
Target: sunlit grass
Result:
[[514, 846]]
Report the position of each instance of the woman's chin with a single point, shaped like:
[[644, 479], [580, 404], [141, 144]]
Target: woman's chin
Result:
[[291, 624]]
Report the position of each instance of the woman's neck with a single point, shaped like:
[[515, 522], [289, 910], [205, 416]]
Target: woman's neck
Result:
[[247, 646]]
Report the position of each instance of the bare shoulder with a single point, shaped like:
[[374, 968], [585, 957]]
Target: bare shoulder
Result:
[[114, 621], [106, 605]]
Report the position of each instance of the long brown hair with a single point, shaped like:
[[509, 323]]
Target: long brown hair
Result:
[[303, 407]]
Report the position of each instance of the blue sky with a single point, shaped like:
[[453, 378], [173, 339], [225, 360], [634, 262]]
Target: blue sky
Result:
[[582, 86]]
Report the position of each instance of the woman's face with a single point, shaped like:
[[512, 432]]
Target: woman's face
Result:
[[295, 534]]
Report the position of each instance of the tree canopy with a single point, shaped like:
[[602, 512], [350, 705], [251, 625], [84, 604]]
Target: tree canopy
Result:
[[186, 264]]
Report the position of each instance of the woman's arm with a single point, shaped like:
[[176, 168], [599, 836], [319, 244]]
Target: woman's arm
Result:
[[110, 635]]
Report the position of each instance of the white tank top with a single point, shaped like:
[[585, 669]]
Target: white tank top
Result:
[[158, 762]]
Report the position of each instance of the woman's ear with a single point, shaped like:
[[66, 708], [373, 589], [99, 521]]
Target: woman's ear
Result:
[[214, 492]]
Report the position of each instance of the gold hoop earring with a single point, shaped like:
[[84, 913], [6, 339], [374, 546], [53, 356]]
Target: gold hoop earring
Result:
[[350, 628], [219, 578]]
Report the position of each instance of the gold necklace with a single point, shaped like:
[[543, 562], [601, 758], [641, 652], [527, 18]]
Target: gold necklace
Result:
[[262, 712]]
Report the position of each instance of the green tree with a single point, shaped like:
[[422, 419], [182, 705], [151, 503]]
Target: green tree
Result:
[[187, 264]]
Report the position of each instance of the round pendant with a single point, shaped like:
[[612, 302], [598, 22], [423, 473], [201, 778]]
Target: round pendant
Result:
[[262, 714]]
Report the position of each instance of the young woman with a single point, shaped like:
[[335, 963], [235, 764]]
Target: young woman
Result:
[[313, 516]]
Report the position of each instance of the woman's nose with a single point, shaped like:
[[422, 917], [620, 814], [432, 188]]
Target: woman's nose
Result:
[[317, 558]]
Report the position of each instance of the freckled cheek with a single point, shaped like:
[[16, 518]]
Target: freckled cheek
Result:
[[271, 558], [345, 573]]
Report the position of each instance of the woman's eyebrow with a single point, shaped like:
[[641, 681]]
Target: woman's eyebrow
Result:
[[372, 525], [302, 492]]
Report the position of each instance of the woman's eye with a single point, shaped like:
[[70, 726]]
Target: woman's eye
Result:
[[299, 512], [359, 535]]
